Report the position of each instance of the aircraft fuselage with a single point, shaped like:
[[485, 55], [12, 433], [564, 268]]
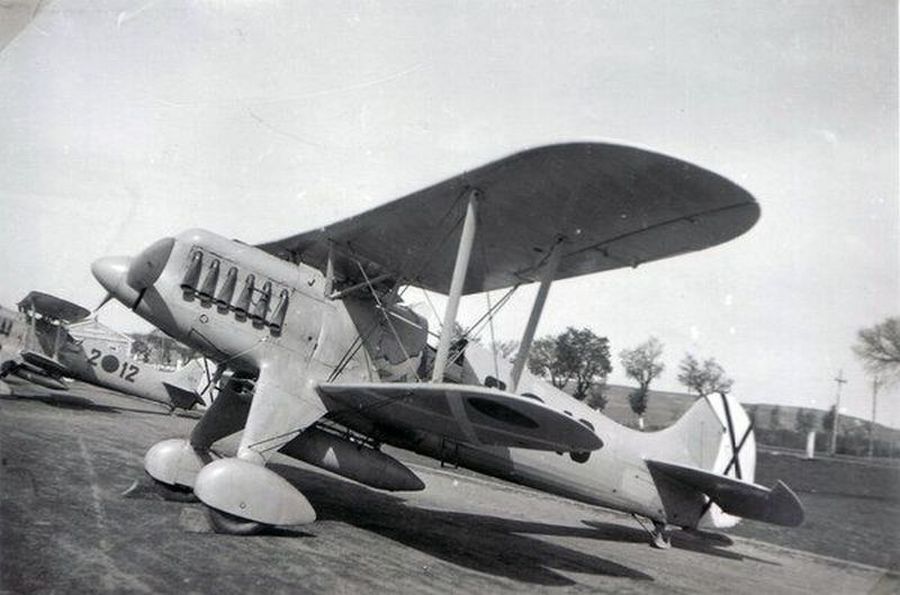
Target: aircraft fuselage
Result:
[[43, 351], [247, 310]]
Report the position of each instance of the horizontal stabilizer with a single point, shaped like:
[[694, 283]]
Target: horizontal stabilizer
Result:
[[779, 505], [181, 397], [470, 414]]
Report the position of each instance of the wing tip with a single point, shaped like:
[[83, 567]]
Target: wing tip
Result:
[[785, 508]]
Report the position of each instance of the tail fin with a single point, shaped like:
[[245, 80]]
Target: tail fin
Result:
[[183, 386], [705, 467]]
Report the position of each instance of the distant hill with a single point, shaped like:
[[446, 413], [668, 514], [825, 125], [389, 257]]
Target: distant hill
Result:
[[664, 408], [787, 418]]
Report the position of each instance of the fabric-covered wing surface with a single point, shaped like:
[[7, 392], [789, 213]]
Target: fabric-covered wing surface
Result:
[[53, 307], [616, 206], [470, 414]]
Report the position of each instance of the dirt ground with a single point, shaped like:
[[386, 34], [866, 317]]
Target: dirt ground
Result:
[[78, 515], [852, 508]]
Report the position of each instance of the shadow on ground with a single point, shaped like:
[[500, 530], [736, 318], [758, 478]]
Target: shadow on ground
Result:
[[487, 544], [66, 401]]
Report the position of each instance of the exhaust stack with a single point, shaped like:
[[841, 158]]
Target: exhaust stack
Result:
[[212, 279], [262, 305], [223, 298], [192, 276], [243, 301], [277, 320]]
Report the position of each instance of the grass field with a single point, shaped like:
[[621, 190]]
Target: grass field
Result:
[[852, 508], [852, 505]]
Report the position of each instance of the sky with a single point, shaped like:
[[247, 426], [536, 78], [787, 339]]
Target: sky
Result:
[[126, 122]]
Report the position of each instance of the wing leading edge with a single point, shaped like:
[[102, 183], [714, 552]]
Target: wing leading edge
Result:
[[614, 206], [469, 414]]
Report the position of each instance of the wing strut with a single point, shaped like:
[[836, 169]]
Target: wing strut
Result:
[[536, 310], [457, 283]]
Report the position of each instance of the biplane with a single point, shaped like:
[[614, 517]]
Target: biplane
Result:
[[49, 339], [326, 362]]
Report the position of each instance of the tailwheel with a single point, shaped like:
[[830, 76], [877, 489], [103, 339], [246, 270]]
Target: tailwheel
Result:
[[229, 524]]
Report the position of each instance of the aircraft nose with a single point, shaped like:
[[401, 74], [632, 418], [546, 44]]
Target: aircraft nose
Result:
[[110, 272], [145, 268]]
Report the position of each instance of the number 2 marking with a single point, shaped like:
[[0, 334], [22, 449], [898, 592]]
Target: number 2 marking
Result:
[[95, 354]]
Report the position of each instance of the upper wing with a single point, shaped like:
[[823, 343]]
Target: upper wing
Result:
[[471, 414], [53, 307], [615, 206], [14, 17]]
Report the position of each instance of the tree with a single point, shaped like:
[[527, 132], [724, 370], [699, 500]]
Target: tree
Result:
[[505, 350], [879, 349], [805, 421], [704, 379], [542, 361], [643, 365], [584, 358], [638, 401], [576, 355], [597, 397], [775, 418]]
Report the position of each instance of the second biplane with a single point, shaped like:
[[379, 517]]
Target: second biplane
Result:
[[50, 339], [326, 363]]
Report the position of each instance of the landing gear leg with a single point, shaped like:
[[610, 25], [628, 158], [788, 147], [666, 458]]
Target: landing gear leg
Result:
[[661, 538], [242, 494], [659, 534]]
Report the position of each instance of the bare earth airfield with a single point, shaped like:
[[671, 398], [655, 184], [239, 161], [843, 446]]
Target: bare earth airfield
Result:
[[78, 514]]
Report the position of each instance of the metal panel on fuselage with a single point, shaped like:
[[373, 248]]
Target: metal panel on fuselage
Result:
[[108, 364], [613, 476], [315, 331]]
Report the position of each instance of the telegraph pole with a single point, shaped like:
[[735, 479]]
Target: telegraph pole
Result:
[[875, 385], [841, 381]]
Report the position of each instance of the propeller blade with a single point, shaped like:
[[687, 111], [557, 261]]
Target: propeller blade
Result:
[[106, 299], [146, 267]]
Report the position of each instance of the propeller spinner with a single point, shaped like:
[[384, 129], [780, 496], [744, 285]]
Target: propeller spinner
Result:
[[126, 278], [145, 268]]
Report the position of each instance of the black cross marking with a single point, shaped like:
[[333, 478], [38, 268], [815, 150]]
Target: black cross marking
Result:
[[736, 447]]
